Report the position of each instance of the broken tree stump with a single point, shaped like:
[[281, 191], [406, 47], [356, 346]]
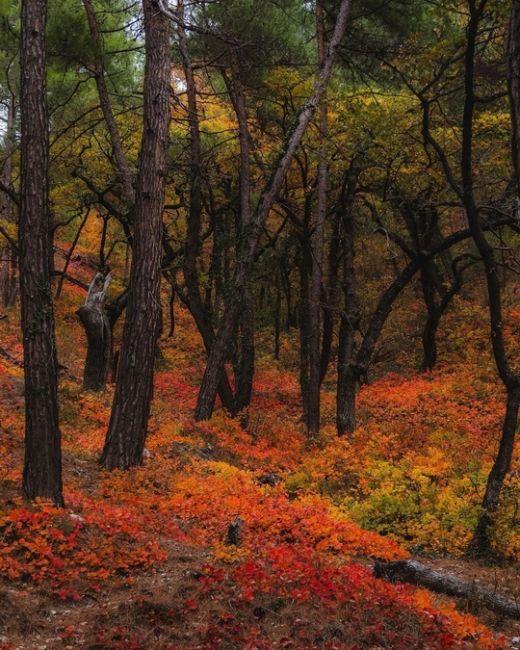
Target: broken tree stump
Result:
[[415, 573], [97, 327], [235, 532]]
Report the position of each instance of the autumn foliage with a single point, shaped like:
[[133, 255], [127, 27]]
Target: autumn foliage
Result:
[[410, 474]]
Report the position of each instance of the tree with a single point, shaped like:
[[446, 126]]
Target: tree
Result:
[[317, 241], [42, 465], [509, 377], [513, 60], [127, 430], [219, 350]]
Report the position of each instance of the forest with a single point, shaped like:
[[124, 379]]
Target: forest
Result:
[[259, 324]]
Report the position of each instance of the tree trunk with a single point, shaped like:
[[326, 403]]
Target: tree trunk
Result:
[[246, 341], [513, 60], [305, 266], [317, 239], [97, 327], [42, 465], [435, 314], [70, 253], [331, 295], [511, 381], [429, 337], [127, 430], [123, 169], [246, 362], [8, 258], [219, 351], [347, 372], [277, 317], [198, 309]]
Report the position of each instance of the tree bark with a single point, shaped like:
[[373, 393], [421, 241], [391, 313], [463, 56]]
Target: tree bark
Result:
[[127, 430], [513, 59], [8, 256], [350, 316], [219, 351], [317, 239], [330, 295], [42, 464], [480, 544], [96, 323], [246, 323]]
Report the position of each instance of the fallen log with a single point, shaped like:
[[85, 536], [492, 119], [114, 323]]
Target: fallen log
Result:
[[415, 573]]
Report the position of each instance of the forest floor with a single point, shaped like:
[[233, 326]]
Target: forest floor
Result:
[[139, 559]]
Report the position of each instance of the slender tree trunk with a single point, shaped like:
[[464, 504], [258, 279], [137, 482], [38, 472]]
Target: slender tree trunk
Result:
[[246, 365], [219, 351], [305, 266], [8, 258], [347, 372], [277, 319], [511, 381], [304, 305], [429, 336], [127, 430], [246, 340], [96, 323], [513, 59], [42, 465], [318, 232], [330, 297], [123, 169], [197, 308], [291, 319], [70, 253]]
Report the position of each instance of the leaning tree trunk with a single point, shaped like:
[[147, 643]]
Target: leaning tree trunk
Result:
[[95, 321], [123, 169], [219, 351], [127, 430], [42, 465]]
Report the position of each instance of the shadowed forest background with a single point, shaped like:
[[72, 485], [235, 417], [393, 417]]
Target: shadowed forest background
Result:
[[259, 324]]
